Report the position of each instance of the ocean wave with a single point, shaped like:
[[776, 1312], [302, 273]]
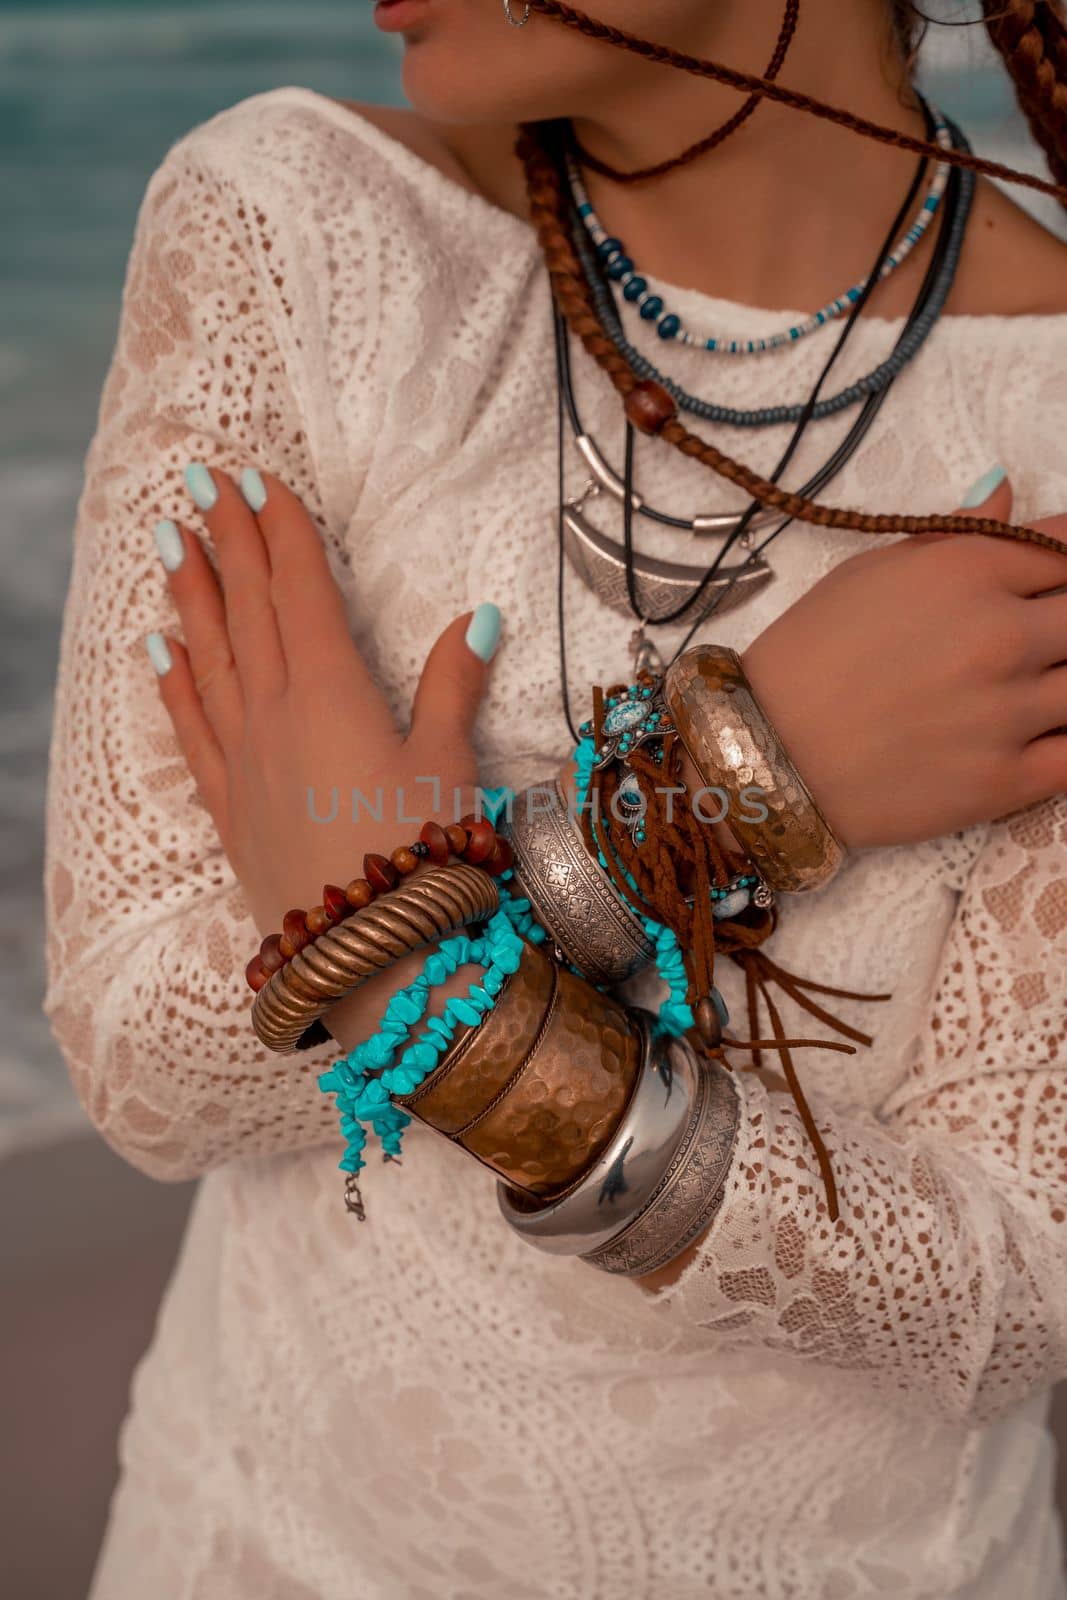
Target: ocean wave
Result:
[[112, 32]]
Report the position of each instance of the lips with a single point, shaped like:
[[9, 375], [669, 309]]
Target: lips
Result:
[[393, 16]]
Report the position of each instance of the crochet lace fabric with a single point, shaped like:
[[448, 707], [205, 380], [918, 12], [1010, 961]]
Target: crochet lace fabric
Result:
[[422, 1405]]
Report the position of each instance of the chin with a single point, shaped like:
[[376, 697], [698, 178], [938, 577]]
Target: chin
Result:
[[464, 64]]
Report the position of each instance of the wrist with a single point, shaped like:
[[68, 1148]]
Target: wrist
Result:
[[803, 735], [729, 732]]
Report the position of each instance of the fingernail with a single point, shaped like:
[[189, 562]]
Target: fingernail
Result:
[[980, 491], [158, 653], [253, 489], [169, 544], [483, 633], [201, 486]]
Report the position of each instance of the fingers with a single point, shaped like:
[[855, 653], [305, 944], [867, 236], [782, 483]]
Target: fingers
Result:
[[309, 611], [1043, 703], [198, 598], [1045, 630], [990, 497], [455, 677], [245, 575], [1028, 569], [1025, 569], [197, 739], [1042, 768], [1056, 565]]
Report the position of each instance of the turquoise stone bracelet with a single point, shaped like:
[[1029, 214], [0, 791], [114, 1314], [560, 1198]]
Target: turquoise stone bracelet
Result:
[[364, 1080]]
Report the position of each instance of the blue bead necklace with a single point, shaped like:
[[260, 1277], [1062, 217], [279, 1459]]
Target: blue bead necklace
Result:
[[650, 306]]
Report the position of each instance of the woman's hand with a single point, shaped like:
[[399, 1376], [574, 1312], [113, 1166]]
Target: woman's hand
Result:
[[917, 687], [274, 707]]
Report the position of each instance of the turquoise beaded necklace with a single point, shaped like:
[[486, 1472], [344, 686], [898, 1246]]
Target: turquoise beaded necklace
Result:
[[650, 306]]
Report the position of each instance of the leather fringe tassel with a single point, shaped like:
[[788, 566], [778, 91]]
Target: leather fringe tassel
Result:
[[674, 869]]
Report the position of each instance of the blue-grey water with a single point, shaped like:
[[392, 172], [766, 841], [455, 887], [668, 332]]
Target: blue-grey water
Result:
[[91, 97]]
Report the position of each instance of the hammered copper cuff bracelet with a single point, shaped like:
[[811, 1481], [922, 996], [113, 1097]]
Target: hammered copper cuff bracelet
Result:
[[423, 909], [536, 1089], [733, 746], [660, 1180], [616, 1188]]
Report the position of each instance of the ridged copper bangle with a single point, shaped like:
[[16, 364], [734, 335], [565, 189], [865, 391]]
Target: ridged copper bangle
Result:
[[733, 746], [423, 909], [535, 1091]]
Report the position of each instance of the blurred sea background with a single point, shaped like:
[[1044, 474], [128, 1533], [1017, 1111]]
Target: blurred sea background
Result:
[[92, 96]]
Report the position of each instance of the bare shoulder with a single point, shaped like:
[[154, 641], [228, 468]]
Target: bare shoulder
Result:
[[1012, 264]]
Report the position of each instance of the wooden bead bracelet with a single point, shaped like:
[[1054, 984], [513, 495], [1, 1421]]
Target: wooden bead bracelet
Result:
[[473, 840]]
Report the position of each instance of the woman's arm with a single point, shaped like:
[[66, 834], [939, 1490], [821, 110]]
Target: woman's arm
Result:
[[946, 1274], [148, 929]]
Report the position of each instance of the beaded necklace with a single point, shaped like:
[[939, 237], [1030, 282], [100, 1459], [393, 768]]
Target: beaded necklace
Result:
[[650, 306], [719, 587], [935, 291]]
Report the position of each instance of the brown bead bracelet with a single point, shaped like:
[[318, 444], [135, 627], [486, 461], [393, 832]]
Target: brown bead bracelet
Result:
[[473, 840]]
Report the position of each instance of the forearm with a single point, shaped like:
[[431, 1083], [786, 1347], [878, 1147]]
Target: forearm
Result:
[[941, 1278], [154, 1027]]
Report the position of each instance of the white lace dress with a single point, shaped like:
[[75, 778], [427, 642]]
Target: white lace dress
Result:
[[423, 1406]]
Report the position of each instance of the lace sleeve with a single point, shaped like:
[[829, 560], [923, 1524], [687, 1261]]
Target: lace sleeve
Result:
[[945, 1276], [147, 929]]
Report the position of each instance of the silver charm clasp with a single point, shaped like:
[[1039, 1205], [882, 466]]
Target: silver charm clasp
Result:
[[647, 658]]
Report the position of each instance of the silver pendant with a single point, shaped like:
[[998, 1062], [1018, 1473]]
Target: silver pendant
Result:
[[661, 586]]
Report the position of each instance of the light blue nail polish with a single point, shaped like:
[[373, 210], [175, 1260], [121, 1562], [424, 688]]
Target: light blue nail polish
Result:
[[169, 544], [201, 486], [253, 488], [980, 491], [483, 633], [158, 653]]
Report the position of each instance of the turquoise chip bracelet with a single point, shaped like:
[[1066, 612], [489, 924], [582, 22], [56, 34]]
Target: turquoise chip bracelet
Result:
[[364, 1080], [675, 1014]]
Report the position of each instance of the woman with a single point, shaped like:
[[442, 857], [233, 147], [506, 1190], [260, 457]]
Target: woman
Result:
[[335, 385]]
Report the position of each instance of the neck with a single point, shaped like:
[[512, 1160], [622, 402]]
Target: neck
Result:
[[791, 207]]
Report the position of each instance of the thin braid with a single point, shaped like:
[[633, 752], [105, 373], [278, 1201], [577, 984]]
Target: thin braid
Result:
[[1031, 39], [548, 211], [663, 55], [713, 140]]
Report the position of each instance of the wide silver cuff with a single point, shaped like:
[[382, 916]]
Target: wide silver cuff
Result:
[[657, 1185], [692, 1186], [618, 1186]]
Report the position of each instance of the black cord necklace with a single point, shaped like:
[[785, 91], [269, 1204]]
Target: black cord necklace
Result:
[[958, 198]]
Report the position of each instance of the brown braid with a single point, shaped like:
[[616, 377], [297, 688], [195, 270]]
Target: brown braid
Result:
[[1031, 39], [548, 210], [713, 140], [679, 861], [663, 55]]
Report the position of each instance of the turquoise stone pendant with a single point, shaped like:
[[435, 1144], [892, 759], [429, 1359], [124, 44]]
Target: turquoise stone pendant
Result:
[[633, 717]]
